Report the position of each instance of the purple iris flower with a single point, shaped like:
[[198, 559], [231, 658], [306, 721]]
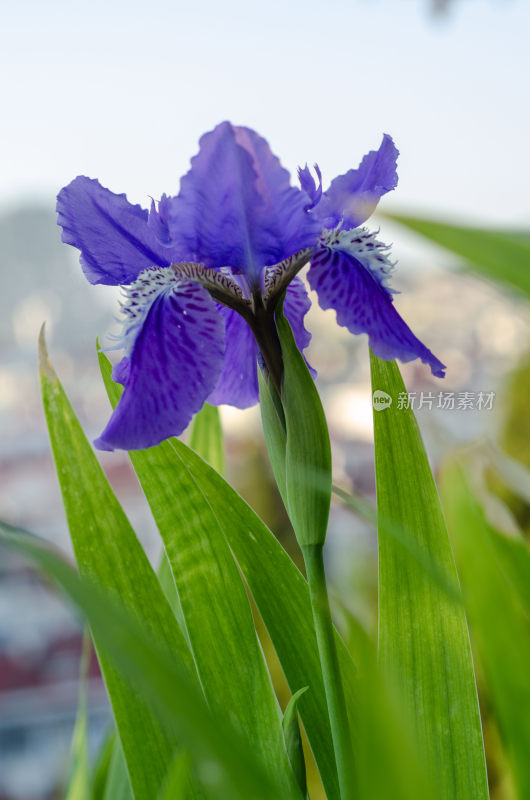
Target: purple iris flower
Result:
[[202, 273]]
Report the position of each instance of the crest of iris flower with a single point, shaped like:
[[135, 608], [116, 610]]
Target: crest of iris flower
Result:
[[202, 273]]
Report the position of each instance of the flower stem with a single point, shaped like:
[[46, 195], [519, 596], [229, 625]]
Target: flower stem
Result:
[[340, 731], [263, 326]]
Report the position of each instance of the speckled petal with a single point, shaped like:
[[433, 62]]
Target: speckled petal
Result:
[[364, 305], [170, 367]]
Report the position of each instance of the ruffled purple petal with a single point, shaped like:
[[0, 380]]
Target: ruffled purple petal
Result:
[[364, 305], [238, 383], [290, 226], [111, 233], [173, 366], [353, 197], [236, 206], [158, 220], [309, 186]]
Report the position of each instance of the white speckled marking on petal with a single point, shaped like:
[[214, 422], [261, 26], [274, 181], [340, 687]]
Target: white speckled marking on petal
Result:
[[363, 245], [138, 298]]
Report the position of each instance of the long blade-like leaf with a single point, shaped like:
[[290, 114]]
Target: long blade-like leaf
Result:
[[495, 573], [79, 783], [213, 599], [100, 769], [293, 739], [118, 786], [423, 636], [387, 738], [282, 597], [207, 438], [278, 588], [505, 257], [230, 765], [107, 550], [174, 787]]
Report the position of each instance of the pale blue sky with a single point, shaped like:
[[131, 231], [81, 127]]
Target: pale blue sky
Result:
[[121, 90]]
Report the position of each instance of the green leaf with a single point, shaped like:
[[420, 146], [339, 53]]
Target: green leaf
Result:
[[213, 599], [293, 740], [167, 582], [423, 636], [100, 770], [228, 764], [505, 257], [175, 785], [282, 597], [387, 738], [107, 550], [279, 590], [364, 509], [307, 447], [117, 786], [495, 573], [79, 783], [207, 437]]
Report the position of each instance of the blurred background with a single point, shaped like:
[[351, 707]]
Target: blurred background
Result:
[[122, 91]]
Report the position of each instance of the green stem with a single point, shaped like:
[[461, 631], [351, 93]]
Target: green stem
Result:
[[263, 326], [340, 731]]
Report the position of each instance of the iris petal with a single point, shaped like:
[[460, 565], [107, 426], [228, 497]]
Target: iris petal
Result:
[[236, 206], [353, 197], [295, 307], [238, 382], [364, 305], [171, 368], [289, 225], [308, 184], [111, 233]]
